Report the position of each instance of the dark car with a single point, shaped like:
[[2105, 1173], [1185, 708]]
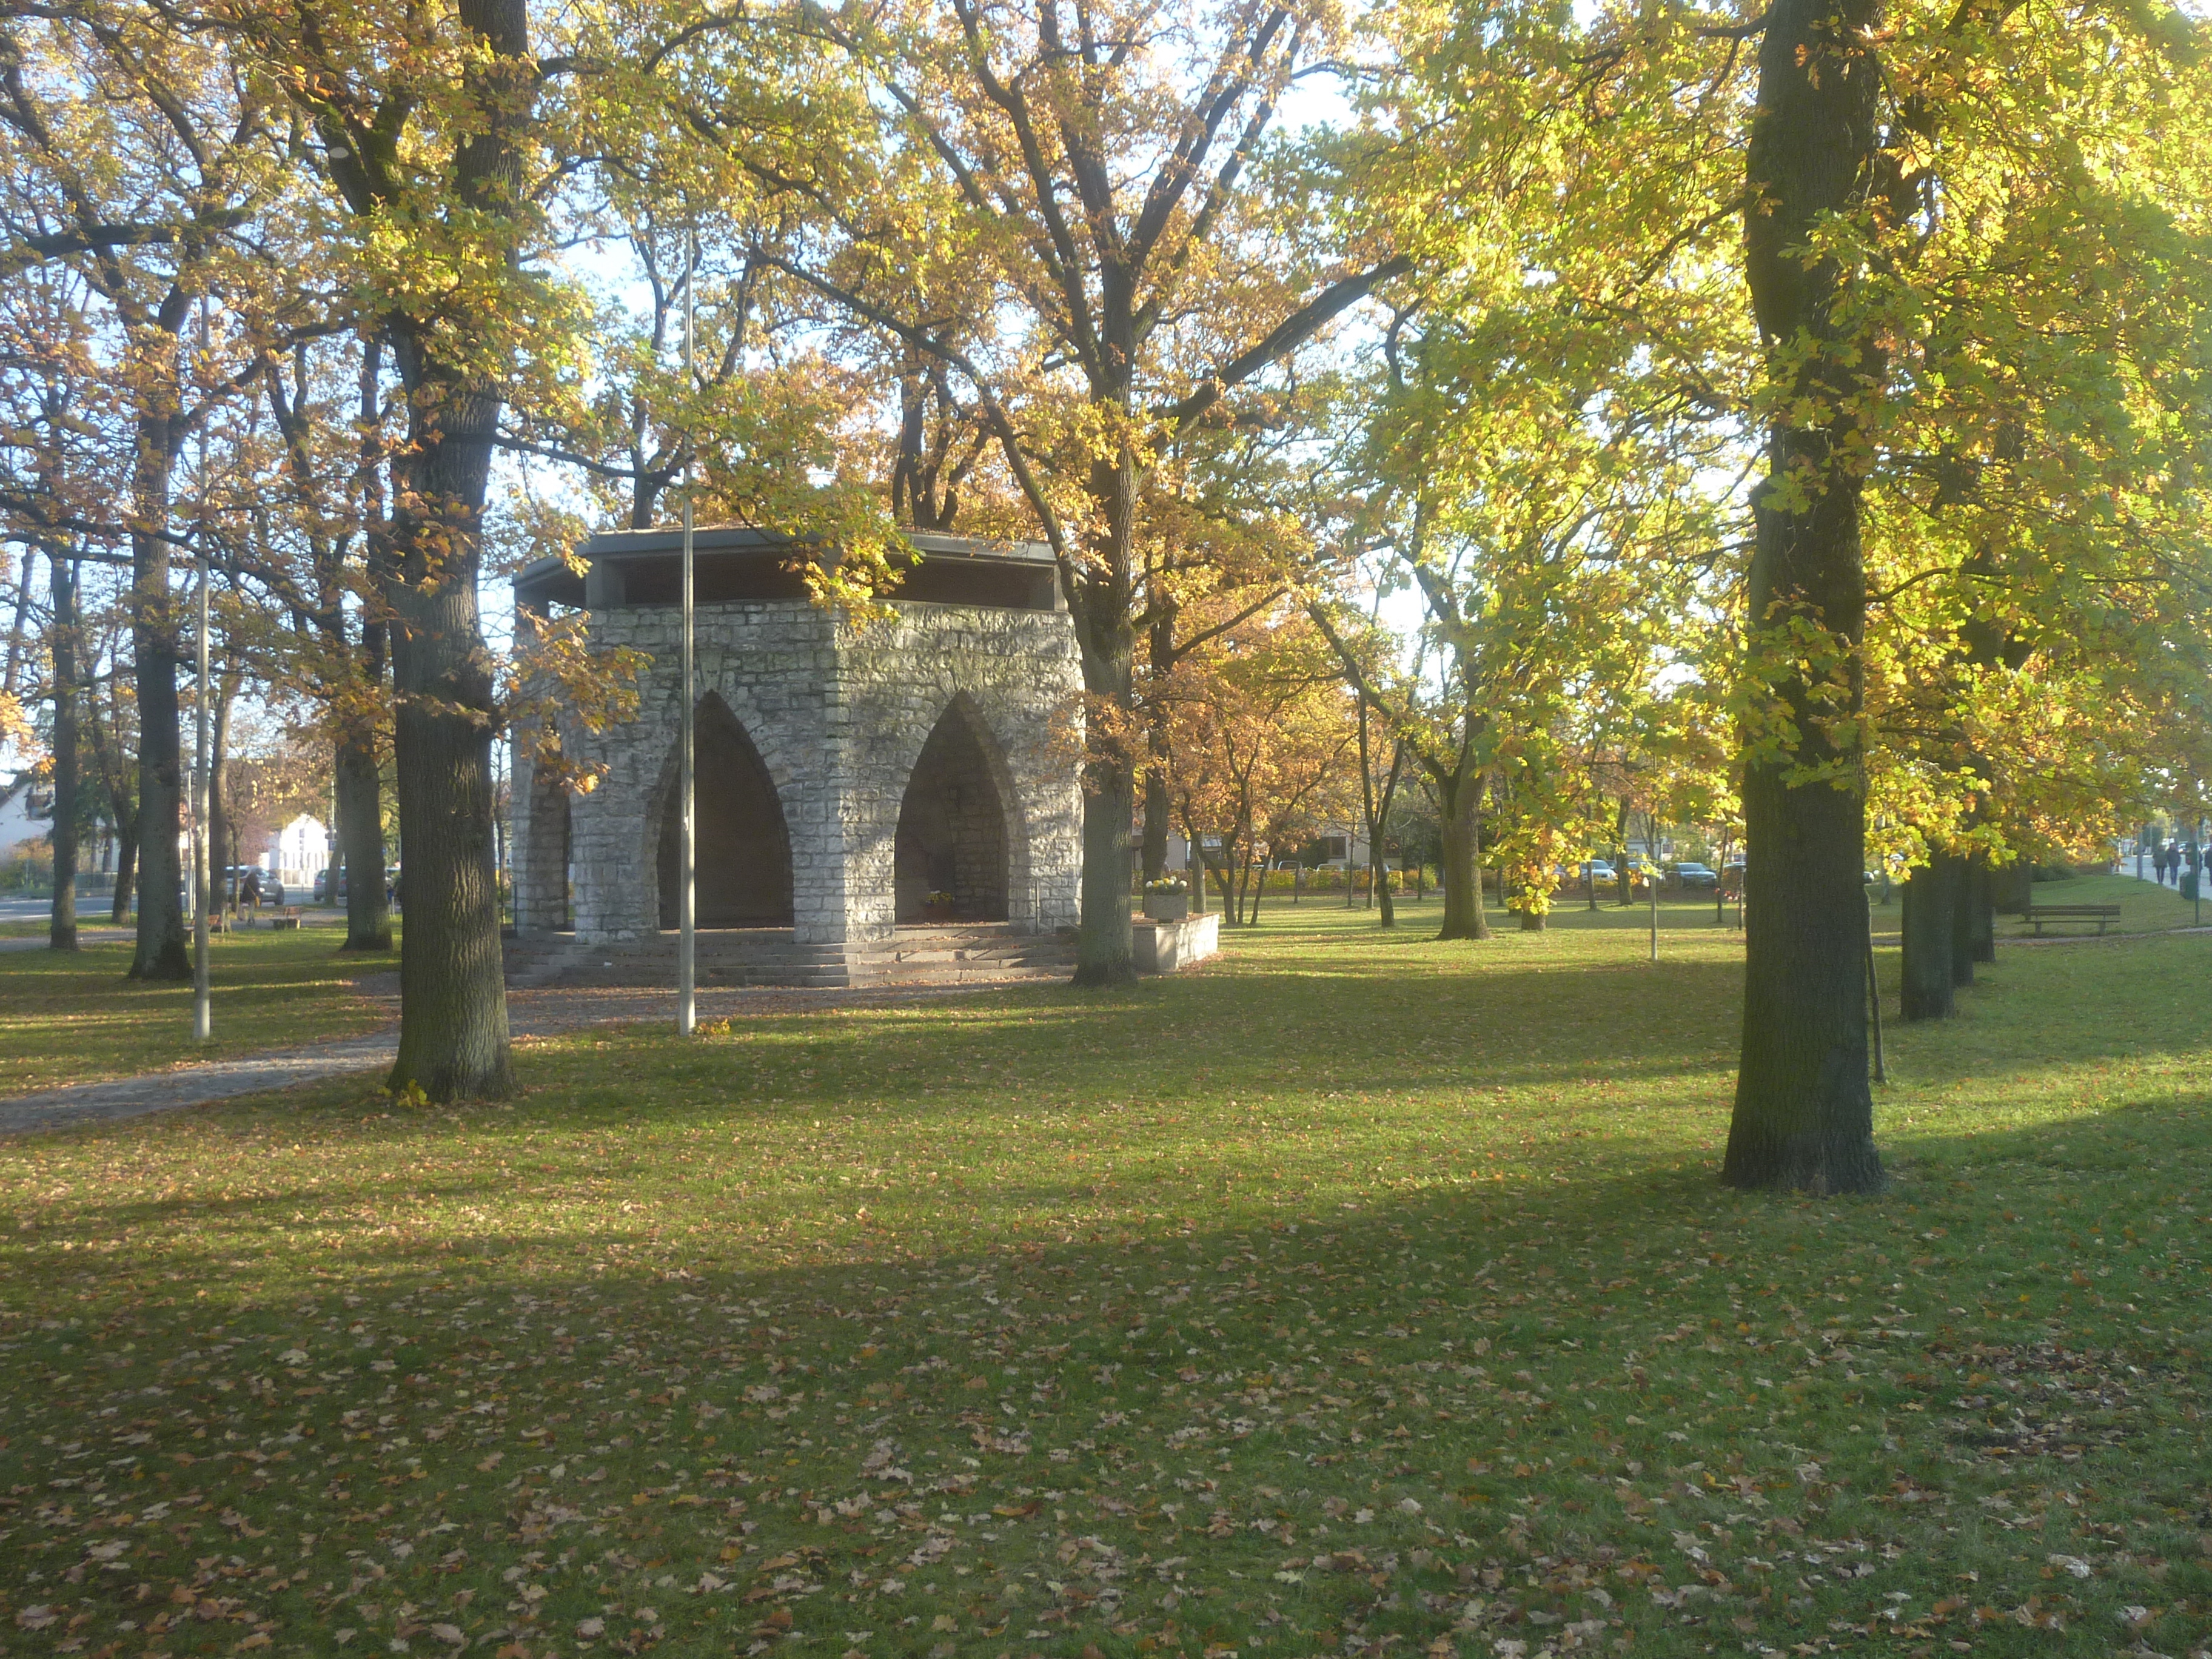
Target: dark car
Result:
[[1692, 876], [258, 886], [323, 894]]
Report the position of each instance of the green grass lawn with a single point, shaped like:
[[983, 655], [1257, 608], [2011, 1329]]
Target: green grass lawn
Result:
[[1355, 1294], [77, 1019]]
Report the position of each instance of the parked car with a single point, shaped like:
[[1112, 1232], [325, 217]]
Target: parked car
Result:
[[1692, 876], [254, 885], [1597, 869], [323, 894]]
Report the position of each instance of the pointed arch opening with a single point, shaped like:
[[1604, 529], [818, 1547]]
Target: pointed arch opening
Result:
[[744, 850], [952, 830]]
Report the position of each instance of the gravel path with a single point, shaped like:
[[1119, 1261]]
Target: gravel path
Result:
[[84, 936], [530, 1014]]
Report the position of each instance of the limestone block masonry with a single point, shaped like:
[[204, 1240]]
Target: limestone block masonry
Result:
[[839, 712], [1162, 946]]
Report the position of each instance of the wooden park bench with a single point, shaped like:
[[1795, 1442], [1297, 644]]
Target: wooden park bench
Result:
[[288, 916], [2037, 914]]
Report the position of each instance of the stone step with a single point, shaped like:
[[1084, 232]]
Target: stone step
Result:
[[938, 955]]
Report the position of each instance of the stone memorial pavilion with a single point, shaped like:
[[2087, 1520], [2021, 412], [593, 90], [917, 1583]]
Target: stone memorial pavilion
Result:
[[895, 798]]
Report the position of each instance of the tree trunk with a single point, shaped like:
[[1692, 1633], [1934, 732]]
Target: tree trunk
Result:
[[1622, 888], [1193, 863], [1930, 932], [126, 868], [160, 953], [453, 993], [1102, 948], [1981, 900], [1460, 798], [361, 844], [1156, 801], [19, 631], [1804, 1111], [1107, 638], [357, 783], [1156, 820], [222, 893], [61, 929], [1962, 918]]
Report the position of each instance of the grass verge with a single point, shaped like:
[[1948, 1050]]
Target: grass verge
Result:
[[77, 1019], [1358, 1294]]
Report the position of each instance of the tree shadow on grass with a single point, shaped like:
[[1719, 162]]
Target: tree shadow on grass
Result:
[[1132, 1434]]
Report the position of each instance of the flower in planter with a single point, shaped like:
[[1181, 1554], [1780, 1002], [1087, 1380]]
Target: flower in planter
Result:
[[1165, 885]]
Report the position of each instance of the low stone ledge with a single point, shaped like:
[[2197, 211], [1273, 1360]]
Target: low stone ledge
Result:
[[1161, 947]]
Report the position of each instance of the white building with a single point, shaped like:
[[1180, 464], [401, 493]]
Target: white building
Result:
[[26, 813], [298, 852]]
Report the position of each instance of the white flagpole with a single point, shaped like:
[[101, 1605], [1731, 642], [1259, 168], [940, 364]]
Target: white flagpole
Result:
[[687, 934]]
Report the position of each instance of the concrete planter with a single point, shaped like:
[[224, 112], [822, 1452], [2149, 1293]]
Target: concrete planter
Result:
[[1167, 906], [1161, 947]]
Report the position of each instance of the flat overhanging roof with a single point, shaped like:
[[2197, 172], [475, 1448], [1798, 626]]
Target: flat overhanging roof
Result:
[[555, 579]]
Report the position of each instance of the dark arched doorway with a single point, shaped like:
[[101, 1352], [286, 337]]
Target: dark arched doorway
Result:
[[744, 854], [952, 826]]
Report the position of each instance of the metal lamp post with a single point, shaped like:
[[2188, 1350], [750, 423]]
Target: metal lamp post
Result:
[[687, 929], [203, 1013]]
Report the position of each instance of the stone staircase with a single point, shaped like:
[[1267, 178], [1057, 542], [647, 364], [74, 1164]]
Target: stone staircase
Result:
[[945, 954]]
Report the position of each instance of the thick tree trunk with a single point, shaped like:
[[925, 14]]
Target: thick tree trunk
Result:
[[61, 928], [1804, 1112], [1931, 894], [361, 844], [1461, 799], [452, 992], [160, 953], [1102, 954]]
